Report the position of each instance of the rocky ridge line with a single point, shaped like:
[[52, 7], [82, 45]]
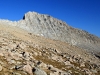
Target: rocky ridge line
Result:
[[49, 27], [23, 53]]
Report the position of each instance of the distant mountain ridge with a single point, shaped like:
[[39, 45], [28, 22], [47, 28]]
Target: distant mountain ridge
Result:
[[49, 27]]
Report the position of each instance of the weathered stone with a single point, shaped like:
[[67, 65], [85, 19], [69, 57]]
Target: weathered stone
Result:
[[16, 56], [12, 62], [19, 67], [26, 55], [43, 65], [12, 67], [0, 68], [82, 64], [12, 46], [22, 45], [38, 71], [54, 57], [67, 63], [28, 69], [35, 53], [65, 73]]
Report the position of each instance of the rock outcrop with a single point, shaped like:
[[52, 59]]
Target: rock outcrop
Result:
[[49, 27], [25, 53], [35, 59]]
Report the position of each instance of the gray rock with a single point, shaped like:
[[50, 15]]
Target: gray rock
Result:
[[12, 62], [67, 63], [22, 45], [65, 73], [38, 71], [19, 67], [49, 27], [28, 69]]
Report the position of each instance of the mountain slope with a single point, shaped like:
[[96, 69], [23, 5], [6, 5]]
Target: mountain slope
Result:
[[49, 27], [42, 45], [23, 53]]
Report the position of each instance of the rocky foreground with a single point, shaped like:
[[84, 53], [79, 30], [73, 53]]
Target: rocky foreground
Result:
[[23, 53]]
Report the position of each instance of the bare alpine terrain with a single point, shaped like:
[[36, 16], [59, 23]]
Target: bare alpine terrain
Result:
[[42, 45]]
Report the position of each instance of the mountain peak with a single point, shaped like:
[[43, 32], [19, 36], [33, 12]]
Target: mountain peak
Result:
[[52, 28], [59, 49]]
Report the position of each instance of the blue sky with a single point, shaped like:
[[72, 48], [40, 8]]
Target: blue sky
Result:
[[82, 14]]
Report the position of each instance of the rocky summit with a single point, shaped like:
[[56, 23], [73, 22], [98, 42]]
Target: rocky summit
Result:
[[49, 27], [39, 44]]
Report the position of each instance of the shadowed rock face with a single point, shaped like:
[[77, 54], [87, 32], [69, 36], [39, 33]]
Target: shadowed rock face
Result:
[[49, 27]]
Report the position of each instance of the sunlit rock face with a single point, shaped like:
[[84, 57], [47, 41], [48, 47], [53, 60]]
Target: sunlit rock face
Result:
[[49, 27], [42, 45]]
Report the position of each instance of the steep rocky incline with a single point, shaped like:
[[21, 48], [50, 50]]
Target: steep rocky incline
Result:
[[49, 27], [23, 53]]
